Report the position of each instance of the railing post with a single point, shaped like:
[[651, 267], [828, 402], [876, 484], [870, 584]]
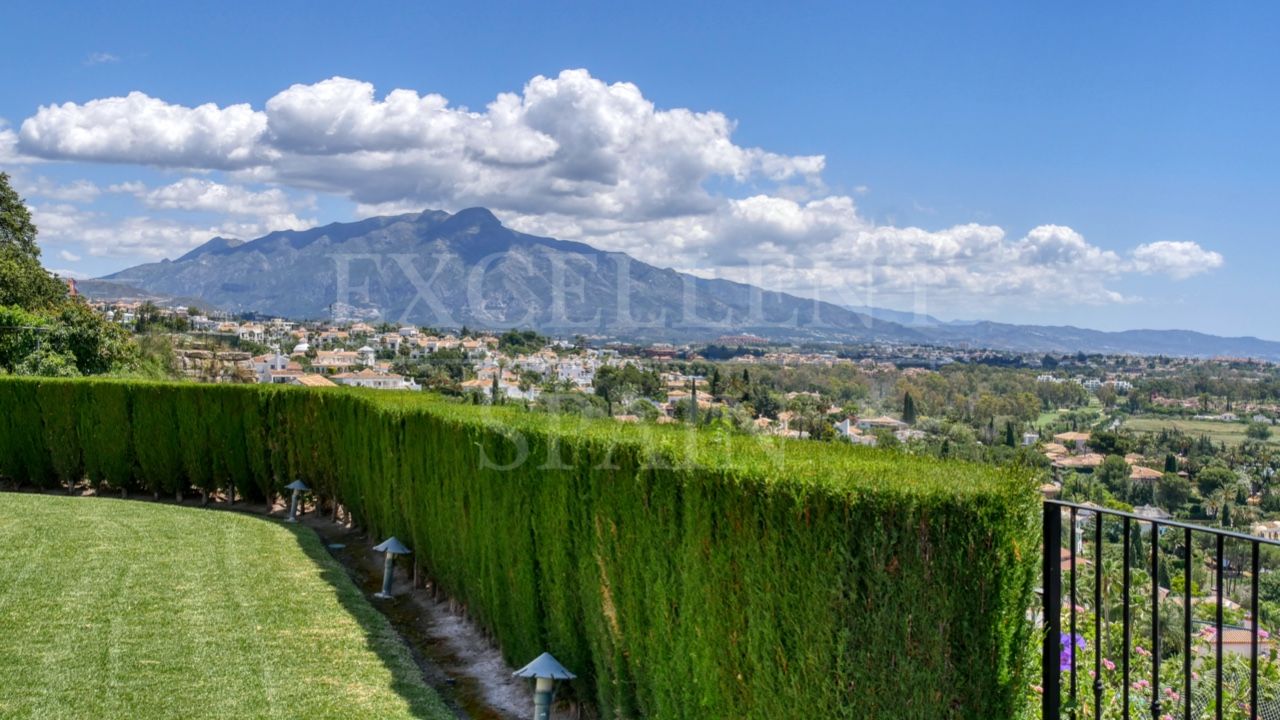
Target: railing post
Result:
[[1051, 679], [1156, 651]]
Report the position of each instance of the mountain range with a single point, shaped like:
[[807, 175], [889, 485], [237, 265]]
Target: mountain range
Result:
[[447, 270]]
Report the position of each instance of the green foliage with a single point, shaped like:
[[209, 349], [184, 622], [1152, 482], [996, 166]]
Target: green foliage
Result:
[[681, 573], [23, 281], [104, 431], [1214, 478], [1258, 431], [1109, 442], [1173, 492], [42, 330], [1113, 473], [156, 441], [16, 229], [626, 383], [521, 342]]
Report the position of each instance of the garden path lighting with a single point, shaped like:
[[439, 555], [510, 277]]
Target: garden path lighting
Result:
[[392, 547], [298, 487], [545, 671]]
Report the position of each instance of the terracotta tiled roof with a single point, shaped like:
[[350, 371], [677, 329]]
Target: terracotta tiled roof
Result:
[[314, 381], [1138, 472]]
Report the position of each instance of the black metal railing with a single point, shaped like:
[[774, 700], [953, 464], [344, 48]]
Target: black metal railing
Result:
[[1200, 686]]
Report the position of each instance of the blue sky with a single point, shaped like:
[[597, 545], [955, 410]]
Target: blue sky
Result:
[[1095, 165]]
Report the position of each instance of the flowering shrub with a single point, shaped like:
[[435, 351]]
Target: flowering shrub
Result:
[[1100, 661]]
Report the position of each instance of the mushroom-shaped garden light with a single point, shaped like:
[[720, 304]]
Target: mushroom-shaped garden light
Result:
[[392, 547], [545, 671], [298, 487]]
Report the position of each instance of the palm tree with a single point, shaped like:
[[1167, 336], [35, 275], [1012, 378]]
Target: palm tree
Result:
[[1216, 503]]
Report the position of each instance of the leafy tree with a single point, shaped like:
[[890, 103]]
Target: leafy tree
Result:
[[764, 402], [1269, 587], [1172, 492], [1108, 442], [48, 362], [521, 342], [23, 281], [1170, 463], [1113, 473], [885, 438], [45, 331], [1215, 478], [1009, 438], [908, 409], [16, 229], [1270, 501], [1107, 396], [626, 383], [1258, 431]]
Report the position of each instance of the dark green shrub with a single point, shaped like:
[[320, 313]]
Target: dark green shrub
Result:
[[23, 455], [682, 575], [156, 441], [60, 417], [104, 430]]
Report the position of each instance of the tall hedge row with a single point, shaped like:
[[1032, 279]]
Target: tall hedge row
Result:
[[680, 574]]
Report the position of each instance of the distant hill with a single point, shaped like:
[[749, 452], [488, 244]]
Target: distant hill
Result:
[[1065, 338], [909, 319], [111, 290], [433, 268]]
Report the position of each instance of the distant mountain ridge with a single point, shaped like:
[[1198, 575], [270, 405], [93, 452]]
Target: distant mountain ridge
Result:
[[434, 268]]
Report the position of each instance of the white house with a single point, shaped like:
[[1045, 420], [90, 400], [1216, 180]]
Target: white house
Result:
[[369, 378], [252, 332], [265, 365], [848, 430]]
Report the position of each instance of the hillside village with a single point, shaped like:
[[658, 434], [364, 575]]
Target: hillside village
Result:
[[1163, 436]]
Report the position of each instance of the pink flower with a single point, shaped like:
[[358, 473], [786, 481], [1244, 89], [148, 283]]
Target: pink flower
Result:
[[1173, 695], [1039, 690], [1263, 634], [1142, 651], [1108, 664]]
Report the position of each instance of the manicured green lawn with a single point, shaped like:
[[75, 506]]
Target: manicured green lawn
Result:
[[124, 609], [1229, 433]]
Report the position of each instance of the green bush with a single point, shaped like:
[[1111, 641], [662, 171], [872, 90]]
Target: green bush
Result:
[[157, 443], [680, 574]]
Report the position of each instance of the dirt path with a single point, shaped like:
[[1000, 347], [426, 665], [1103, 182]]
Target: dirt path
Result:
[[456, 659]]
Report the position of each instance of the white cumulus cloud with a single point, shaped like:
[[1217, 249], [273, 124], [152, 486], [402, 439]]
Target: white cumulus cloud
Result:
[[77, 191], [576, 157], [144, 130], [1177, 259]]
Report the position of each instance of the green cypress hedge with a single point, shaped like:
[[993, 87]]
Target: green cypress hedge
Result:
[[680, 574]]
